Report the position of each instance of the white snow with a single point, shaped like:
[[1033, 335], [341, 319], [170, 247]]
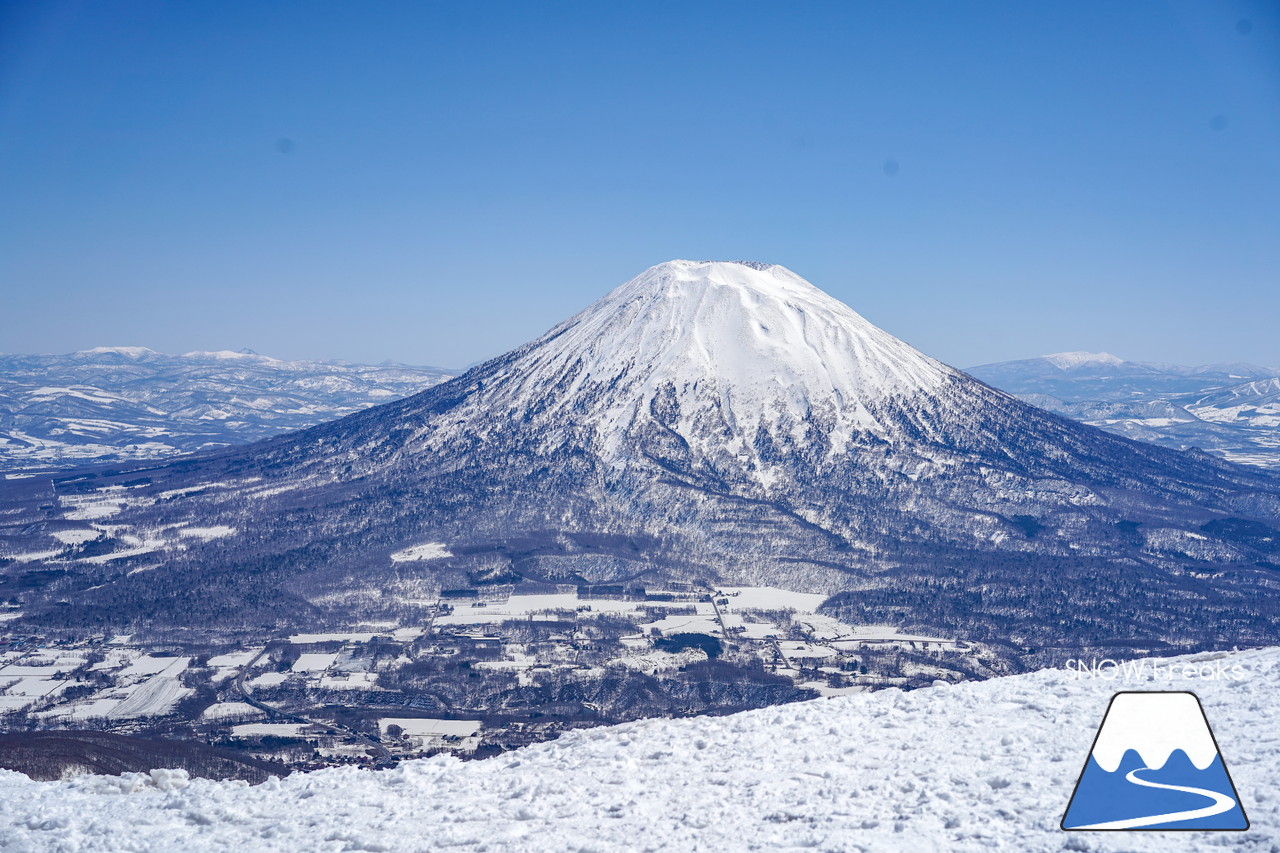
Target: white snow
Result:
[[693, 623], [1068, 360], [76, 537], [318, 662], [350, 681], [149, 665], [83, 392], [234, 659], [971, 767], [146, 546], [225, 710], [145, 686], [425, 551], [277, 490], [217, 531], [100, 503], [769, 598], [131, 352], [177, 493], [654, 661], [228, 355], [152, 698], [32, 556]]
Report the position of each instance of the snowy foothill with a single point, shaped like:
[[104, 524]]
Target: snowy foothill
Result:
[[978, 766]]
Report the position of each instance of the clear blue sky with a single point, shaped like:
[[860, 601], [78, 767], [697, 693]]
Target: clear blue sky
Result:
[[435, 183]]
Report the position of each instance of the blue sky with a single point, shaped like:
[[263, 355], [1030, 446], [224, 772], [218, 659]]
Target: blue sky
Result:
[[437, 182]]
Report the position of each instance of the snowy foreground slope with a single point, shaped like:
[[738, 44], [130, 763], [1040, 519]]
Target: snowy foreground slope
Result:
[[980, 766]]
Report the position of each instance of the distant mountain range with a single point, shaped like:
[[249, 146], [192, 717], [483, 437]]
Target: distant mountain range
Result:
[[708, 422], [132, 403], [1229, 410]]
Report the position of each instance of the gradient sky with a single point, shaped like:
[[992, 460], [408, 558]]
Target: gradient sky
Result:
[[435, 183]]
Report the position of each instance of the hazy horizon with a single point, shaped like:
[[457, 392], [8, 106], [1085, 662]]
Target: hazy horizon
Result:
[[467, 366]]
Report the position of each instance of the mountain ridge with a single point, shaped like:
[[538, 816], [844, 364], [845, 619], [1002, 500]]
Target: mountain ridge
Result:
[[134, 403], [1230, 410]]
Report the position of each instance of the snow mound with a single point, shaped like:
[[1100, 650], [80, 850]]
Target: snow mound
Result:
[[969, 767]]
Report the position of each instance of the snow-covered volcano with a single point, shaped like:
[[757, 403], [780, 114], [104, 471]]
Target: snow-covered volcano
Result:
[[742, 345], [705, 422], [727, 357]]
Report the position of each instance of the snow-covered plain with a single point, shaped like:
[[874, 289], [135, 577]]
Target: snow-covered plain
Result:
[[972, 767]]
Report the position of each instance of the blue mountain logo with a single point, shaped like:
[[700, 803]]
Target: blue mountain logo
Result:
[[1155, 765]]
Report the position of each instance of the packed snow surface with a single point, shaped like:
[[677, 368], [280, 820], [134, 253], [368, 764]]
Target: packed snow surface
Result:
[[973, 767]]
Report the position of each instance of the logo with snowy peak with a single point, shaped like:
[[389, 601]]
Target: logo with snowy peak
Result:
[[1155, 765]]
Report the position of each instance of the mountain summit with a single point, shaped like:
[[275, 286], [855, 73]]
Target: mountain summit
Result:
[[719, 353], [706, 422], [767, 338]]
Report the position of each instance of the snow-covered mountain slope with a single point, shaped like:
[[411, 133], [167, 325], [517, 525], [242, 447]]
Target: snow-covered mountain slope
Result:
[[1255, 403], [1080, 362], [740, 345], [972, 767], [708, 423], [132, 403], [1230, 410]]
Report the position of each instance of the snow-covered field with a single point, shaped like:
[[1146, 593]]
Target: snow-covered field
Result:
[[974, 767], [426, 551]]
